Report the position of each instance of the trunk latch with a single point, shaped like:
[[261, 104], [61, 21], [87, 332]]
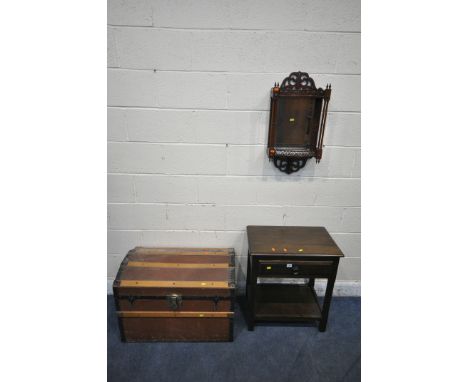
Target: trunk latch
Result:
[[174, 301], [215, 301]]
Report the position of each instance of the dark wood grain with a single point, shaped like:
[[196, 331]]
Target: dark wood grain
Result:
[[176, 329], [273, 240]]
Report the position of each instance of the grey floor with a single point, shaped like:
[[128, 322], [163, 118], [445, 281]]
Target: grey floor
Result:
[[269, 353]]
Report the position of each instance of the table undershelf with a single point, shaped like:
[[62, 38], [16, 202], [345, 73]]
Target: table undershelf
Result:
[[278, 302]]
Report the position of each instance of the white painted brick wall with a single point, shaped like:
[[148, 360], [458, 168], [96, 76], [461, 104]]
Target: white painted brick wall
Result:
[[315, 15], [220, 91], [214, 126], [188, 95], [148, 48]]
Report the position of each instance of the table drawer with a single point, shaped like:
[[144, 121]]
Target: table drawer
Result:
[[295, 268]]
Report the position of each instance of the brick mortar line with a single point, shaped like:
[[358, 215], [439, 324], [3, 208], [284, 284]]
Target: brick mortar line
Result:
[[227, 176], [216, 231], [227, 205], [222, 71], [232, 29], [209, 109], [193, 230], [218, 144]]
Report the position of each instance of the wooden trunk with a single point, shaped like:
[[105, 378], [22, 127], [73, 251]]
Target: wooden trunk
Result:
[[176, 294]]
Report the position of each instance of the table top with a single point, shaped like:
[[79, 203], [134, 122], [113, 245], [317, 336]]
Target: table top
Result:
[[293, 240]]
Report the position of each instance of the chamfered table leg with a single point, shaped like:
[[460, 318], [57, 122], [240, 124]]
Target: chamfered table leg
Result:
[[312, 282], [250, 295], [327, 300], [250, 318]]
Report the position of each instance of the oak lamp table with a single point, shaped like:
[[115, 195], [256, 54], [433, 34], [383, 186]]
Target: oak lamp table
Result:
[[289, 252]]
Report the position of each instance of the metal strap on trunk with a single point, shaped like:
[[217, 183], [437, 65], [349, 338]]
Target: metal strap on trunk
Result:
[[144, 314], [175, 300]]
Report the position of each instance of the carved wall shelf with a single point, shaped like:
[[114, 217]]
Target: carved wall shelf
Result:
[[298, 114]]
